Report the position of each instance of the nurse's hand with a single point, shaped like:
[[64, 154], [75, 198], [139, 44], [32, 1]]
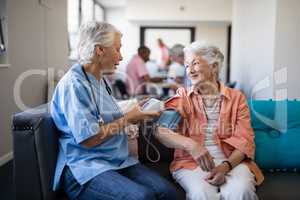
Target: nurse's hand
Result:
[[136, 114]]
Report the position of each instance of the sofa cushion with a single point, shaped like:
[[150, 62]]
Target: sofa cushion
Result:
[[280, 185], [162, 168], [262, 114], [293, 114], [269, 114], [278, 150]]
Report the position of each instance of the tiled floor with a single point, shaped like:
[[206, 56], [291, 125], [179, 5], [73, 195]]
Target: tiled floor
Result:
[[6, 181]]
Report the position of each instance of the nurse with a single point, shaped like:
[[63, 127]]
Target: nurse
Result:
[[93, 160]]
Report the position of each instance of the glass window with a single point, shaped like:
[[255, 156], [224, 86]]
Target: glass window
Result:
[[87, 10], [99, 13], [73, 26], [2, 43], [73, 15]]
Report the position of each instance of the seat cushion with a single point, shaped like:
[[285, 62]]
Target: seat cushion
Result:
[[280, 185]]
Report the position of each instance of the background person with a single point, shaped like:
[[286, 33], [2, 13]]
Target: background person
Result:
[[137, 73], [176, 69], [164, 59]]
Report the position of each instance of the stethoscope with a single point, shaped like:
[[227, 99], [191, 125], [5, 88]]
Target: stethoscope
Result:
[[100, 120]]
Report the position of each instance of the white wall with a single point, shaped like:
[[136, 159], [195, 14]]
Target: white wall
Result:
[[214, 32], [169, 10], [287, 49], [130, 37], [253, 44], [37, 39]]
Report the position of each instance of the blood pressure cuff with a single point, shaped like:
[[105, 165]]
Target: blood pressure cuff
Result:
[[170, 119]]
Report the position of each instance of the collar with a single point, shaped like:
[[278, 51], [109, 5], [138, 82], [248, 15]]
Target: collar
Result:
[[223, 90]]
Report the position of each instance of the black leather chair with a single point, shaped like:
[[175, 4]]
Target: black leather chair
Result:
[[35, 139]]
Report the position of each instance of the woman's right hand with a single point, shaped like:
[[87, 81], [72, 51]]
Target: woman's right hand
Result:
[[136, 114], [202, 156]]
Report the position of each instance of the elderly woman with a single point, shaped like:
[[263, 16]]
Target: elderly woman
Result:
[[93, 160], [214, 141]]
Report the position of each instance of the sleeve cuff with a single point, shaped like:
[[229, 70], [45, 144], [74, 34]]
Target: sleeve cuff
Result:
[[242, 145], [87, 132]]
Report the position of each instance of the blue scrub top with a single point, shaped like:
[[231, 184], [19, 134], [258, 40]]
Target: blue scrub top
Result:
[[75, 114]]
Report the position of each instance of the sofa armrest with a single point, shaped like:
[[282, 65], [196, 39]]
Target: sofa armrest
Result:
[[35, 144]]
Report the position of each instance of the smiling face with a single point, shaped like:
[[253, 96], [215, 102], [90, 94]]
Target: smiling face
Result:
[[198, 69], [110, 56]]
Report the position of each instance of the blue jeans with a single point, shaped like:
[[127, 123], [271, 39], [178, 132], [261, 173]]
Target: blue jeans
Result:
[[132, 183]]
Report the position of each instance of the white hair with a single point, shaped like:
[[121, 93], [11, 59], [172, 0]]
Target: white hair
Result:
[[177, 50], [91, 34], [209, 52]]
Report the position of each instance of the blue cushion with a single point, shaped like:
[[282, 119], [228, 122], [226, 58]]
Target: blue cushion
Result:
[[277, 133], [293, 114], [280, 115], [262, 114], [278, 150]]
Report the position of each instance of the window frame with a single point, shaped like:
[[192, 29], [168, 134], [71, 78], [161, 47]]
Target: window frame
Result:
[[72, 55]]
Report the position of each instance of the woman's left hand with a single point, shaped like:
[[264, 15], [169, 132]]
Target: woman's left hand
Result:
[[217, 176], [132, 131]]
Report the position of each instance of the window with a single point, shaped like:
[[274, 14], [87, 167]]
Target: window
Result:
[[81, 11], [3, 35], [169, 35], [73, 26], [2, 43], [99, 13], [87, 10]]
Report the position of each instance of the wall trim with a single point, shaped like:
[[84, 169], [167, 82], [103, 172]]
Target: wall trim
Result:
[[6, 158]]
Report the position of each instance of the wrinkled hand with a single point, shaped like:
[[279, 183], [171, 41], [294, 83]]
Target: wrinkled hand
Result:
[[202, 156], [132, 131], [136, 114], [217, 176]]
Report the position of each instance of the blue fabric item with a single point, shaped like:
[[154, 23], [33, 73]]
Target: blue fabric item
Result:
[[75, 115], [260, 111], [293, 114], [169, 118], [135, 183], [276, 150], [277, 133]]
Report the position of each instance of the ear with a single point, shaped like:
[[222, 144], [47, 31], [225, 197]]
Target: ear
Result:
[[215, 66], [215, 69], [99, 50]]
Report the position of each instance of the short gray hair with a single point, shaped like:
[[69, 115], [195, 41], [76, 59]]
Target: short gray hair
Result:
[[177, 50], [91, 34], [209, 52]]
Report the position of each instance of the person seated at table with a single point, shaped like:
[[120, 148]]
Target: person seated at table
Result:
[[137, 73], [176, 69]]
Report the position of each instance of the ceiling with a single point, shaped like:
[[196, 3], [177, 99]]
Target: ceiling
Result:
[[112, 3]]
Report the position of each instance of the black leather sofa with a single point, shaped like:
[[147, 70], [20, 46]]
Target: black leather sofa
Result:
[[35, 152]]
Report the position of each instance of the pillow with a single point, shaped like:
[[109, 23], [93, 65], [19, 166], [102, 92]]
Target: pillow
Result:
[[278, 150], [280, 115], [293, 114], [262, 114]]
